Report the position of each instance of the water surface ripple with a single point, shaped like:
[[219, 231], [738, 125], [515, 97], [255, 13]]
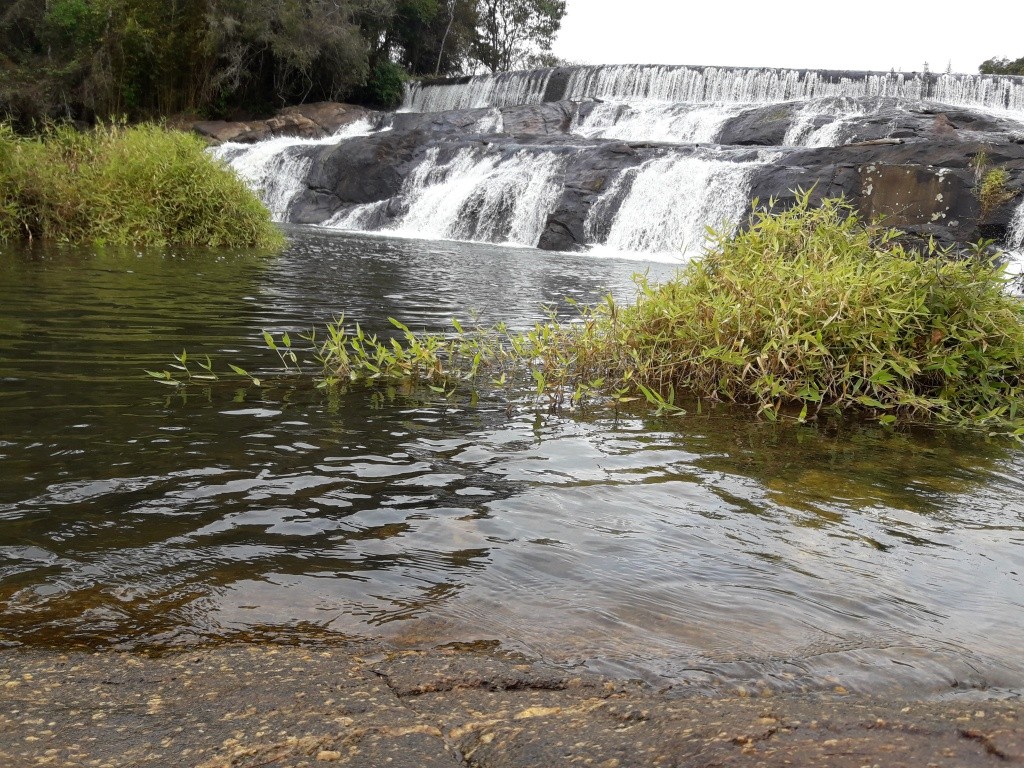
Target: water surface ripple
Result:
[[708, 550]]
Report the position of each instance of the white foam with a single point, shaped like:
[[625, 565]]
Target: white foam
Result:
[[670, 204]]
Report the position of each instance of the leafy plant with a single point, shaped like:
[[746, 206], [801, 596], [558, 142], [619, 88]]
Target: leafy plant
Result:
[[805, 312], [990, 185], [142, 185]]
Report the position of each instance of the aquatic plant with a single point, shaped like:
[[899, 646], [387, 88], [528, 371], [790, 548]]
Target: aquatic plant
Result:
[[804, 312], [991, 185], [139, 185]]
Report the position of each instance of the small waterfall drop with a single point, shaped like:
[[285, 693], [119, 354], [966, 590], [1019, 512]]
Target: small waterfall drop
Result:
[[667, 205], [820, 123], [1015, 250], [655, 121], [1015, 236], [275, 170], [500, 90], [476, 195], [703, 85]]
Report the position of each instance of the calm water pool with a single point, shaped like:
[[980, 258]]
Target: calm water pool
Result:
[[708, 550]]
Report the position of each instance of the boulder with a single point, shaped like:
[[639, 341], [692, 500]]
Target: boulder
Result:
[[307, 121]]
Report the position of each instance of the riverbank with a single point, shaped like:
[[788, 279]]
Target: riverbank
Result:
[[141, 185], [358, 703]]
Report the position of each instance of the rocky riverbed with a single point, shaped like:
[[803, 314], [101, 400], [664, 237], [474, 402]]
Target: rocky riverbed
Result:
[[566, 175], [362, 704]]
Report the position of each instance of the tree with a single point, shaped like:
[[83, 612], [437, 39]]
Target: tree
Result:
[[1002, 66], [509, 31], [292, 50]]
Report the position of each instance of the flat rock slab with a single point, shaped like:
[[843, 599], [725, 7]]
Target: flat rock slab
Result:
[[358, 704]]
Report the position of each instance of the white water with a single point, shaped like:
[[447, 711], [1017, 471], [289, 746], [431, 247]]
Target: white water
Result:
[[1015, 237], [476, 195], [670, 204], [821, 123], [656, 121], [273, 170], [1015, 249], [660, 209], [701, 85], [501, 90]]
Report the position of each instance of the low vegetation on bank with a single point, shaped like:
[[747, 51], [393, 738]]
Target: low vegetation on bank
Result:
[[807, 312], [140, 185]]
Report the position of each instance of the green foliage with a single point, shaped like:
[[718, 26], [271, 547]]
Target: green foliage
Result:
[[81, 59], [1002, 66], [811, 309], [139, 185], [992, 191], [991, 185], [806, 312], [511, 31], [385, 88]]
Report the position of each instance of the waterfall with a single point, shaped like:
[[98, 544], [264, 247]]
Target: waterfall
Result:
[[500, 90], [655, 121], [630, 167], [700, 85], [275, 169], [820, 123], [476, 195], [666, 205], [1015, 250], [1015, 236]]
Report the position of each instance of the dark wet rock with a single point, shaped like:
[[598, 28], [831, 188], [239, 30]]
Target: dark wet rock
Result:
[[914, 165], [923, 187], [761, 126], [358, 171]]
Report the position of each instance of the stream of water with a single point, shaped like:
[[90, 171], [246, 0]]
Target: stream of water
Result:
[[708, 550]]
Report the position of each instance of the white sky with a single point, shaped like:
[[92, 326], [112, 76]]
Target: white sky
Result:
[[827, 34]]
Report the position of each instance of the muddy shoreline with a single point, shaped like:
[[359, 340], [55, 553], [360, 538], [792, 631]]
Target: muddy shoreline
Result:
[[360, 704]]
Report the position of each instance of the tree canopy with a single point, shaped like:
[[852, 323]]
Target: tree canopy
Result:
[[142, 58], [1002, 66], [511, 31]]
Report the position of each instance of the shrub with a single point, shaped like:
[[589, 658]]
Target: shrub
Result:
[[805, 311], [812, 309], [385, 87], [142, 185]]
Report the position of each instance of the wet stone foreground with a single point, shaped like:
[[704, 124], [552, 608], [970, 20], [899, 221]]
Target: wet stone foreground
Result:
[[359, 704]]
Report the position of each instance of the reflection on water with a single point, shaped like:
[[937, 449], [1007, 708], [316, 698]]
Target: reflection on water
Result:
[[707, 550]]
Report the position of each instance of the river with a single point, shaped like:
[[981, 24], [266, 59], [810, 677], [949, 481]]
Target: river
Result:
[[708, 550]]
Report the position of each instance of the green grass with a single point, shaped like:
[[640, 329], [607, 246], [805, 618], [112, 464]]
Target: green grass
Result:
[[140, 185], [806, 312]]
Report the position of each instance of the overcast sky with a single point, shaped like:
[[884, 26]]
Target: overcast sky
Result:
[[865, 34]]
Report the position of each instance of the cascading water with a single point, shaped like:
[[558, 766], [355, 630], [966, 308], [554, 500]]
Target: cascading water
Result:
[[1015, 248], [701, 85], [500, 90], [614, 157], [667, 204], [476, 195], [655, 121], [1015, 238], [821, 123], [274, 170]]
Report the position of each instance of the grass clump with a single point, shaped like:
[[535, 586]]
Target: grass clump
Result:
[[812, 309], [991, 186], [139, 185], [807, 311]]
